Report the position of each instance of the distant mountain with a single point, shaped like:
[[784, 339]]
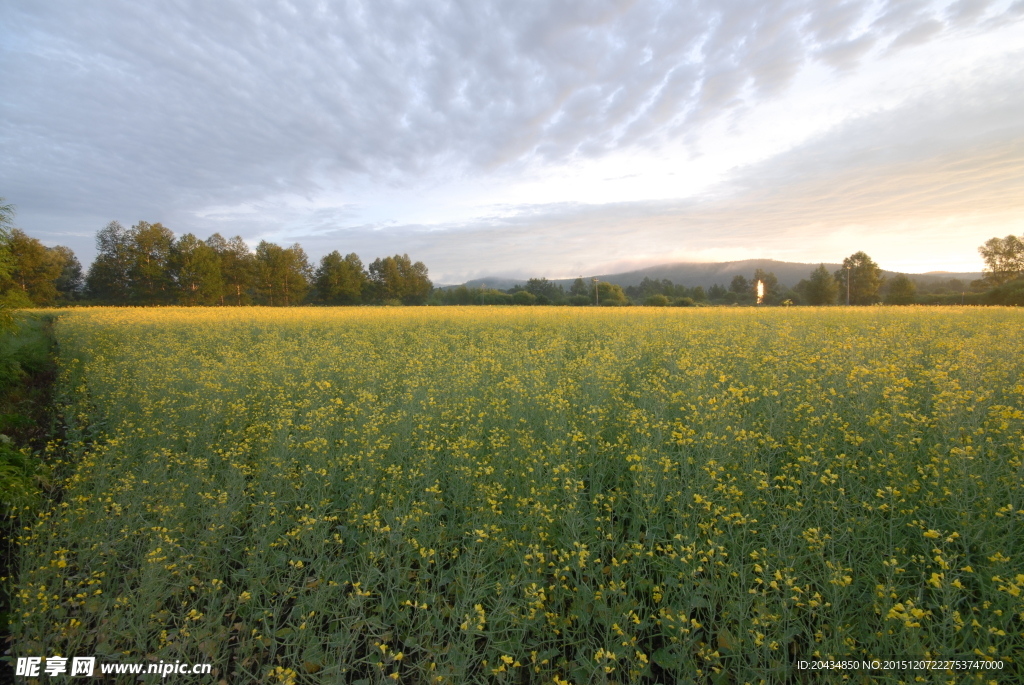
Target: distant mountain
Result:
[[496, 283], [706, 274]]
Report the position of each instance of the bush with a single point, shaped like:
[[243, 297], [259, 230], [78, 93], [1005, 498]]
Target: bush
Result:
[[580, 300], [20, 477], [16, 298], [611, 295], [685, 302], [524, 297], [497, 297], [900, 290], [1009, 294], [656, 301], [23, 350]]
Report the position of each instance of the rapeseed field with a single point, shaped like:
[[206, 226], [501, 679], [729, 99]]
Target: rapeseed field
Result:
[[534, 495]]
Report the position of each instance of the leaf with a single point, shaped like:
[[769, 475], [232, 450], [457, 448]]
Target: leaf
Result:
[[726, 640], [666, 658], [581, 674], [699, 602]]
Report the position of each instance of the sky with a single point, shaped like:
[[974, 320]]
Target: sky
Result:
[[512, 138]]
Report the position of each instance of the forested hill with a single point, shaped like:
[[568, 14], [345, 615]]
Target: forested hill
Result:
[[691, 274]]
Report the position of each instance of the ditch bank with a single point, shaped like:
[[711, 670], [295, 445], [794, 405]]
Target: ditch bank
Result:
[[28, 426]]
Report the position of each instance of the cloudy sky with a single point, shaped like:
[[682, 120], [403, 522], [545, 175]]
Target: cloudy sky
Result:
[[492, 137]]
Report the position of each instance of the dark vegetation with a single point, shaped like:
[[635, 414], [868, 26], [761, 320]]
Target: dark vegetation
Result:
[[27, 373]]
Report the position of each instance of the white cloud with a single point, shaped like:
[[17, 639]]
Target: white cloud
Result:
[[515, 136]]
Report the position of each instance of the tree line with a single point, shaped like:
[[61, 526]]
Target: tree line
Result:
[[32, 274], [858, 281], [538, 291], [148, 265]]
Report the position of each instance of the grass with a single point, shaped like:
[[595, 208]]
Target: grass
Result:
[[533, 496], [26, 374]]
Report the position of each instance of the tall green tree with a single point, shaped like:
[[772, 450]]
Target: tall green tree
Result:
[[340, 280], [34, 268], [740, 285], [6, 214], [772, 288], [268, 266], [611, 295], [543, 288], [70, 282], [1004, 259], [900, 290], [820, 288], [6, 224], [282, 274], [398, 278], [865, 279], [579, 288], [298, 274], [237, 268], [195, 268], [649, 287], [109, 276], [150, 275]]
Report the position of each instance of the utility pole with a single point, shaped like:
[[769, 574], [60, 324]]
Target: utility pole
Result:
[[847, 286], [597, 296]]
